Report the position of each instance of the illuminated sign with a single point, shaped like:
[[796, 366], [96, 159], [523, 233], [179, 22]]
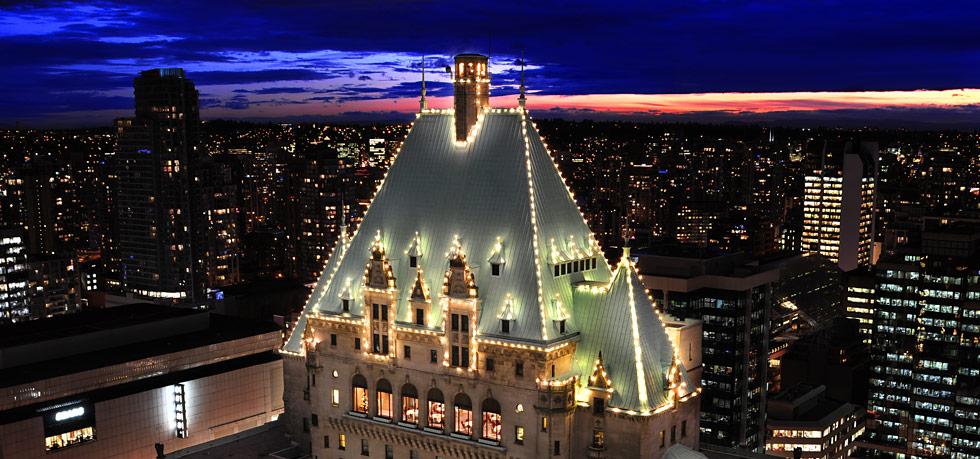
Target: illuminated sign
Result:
[[65, 415]]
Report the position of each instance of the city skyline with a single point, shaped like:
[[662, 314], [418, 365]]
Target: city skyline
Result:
[[73, 64]]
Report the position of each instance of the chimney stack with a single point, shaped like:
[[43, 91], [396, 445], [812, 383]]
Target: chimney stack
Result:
[[471, 91]]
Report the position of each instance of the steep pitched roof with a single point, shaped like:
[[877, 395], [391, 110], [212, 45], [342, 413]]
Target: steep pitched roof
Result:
[[502, 198], [619, 321], [480, 191]]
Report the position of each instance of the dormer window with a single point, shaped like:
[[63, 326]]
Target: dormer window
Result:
[[495, 269], [561, 326], [413, 261], [420, 316], [346, 304], [505, 326]]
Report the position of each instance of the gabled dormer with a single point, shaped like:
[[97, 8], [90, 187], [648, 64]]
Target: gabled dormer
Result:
[[414, 252], [507, 316], [378, 274], [420, 301], [497, 259], [460, 282]]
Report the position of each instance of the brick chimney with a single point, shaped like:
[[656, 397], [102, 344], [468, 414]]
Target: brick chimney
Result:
[[471, 91]]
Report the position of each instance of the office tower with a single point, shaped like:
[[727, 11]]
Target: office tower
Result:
[[839, 202], [155, 192], [13, 276], [732, 298], [472, 314], [696, 220], [377, 152], [859, 300], [925, 374], [804, 419], [218, 231]]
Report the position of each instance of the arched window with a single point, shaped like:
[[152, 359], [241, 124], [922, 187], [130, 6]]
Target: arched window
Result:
[[384, 399], [410, 404], [360, 394], [492, 423], [437, 409], [463, 410]]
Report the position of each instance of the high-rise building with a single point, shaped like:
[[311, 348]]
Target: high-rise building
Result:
[[154, 199], [55, 285], [13, 276], [839, 202], [859, 300], [472, 313], [218, 227], [176, 234], [732, 298], [925, 373]]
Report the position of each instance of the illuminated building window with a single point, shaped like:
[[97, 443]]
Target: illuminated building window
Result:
[[492, 423], [335, 397], [410, 404], [437, 409], [384, 399], [544, 424], [360, 394], [519, 435], [598, 439], [342, 442], [71, 438], [463, 411]]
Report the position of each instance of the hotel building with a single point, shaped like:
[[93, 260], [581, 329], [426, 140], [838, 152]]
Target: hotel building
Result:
[[473, 315]]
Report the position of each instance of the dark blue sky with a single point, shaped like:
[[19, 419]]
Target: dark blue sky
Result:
[[73, 63]]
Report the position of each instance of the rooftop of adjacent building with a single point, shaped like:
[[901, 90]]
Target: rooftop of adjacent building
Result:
[[96, 338], [805, 404]]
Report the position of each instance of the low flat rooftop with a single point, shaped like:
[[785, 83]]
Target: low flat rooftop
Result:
[[99, 338], [87, 321]]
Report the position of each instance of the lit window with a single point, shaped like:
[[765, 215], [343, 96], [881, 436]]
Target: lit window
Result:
[[463, 410], [384, 399], [437, 410], [598, 439], [360, 402], [519, 435], [335, 397], [410, 404], [491, 420], [72, 438]]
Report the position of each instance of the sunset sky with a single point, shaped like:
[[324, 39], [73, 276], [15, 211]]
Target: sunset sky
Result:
[[72, 64]]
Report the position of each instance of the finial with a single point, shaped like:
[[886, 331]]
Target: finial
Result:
[[422, 102], [522, 99]]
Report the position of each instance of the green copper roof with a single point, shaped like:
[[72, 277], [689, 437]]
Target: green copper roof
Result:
[[502, 187], [619, 321]]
